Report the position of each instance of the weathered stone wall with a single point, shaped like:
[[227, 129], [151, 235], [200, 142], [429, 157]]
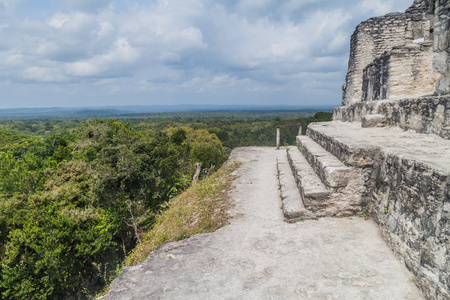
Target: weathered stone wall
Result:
[[354, 112], [419, 6], [411, 71], [409, 197], [411, 205], [410, 201], [370, 39], [441, 61], [376, 78], [420, 19], [403, 72], [377, 35], [424, 115]]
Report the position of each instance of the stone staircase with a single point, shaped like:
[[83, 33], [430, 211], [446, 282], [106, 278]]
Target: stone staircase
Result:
[[332, 172], [311, 188], [390, 158], [401, 178], [292, 202], [313, 182]]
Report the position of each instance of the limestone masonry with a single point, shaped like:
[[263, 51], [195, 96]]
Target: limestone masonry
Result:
[[387, 151]]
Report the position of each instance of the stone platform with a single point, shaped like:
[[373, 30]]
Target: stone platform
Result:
[[429, 114], [427, 149], [390, 141], [402, 178], [259, 256]]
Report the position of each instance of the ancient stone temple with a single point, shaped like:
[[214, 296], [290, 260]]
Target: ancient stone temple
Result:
[[400, 56], [387, 151]]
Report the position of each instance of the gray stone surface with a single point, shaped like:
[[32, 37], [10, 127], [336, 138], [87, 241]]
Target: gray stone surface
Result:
[[291, 200], [423, 115], [363, 144], [405, 174], [333, 137], [259, 256], [331, 170], [441, 61], [379, 34], [313, 191], [400, 55], [409, 190], [403, 72], [370, 39], [421, 6], [412, 208], [375, 120]]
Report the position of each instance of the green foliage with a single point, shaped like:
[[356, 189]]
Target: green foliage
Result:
[[13, 139], [55, 250], [56, 239], [320, 116], [76, 197], [73, 206], [233, 128], [23, 174], [203, 147], [201, 208]]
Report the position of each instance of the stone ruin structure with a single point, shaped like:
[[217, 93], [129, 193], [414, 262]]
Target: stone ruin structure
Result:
[[399, 56], [387, 151]]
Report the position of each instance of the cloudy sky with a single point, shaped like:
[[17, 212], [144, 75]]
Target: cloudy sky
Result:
[[122, 52]]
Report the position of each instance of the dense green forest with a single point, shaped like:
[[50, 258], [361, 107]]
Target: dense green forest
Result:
[[77, 195]]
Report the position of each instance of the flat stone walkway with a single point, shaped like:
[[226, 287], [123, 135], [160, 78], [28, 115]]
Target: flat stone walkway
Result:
[[429, 149], [259, 256]]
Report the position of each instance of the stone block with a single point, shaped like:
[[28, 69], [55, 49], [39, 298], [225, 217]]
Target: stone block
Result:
[[422, 114], [313, 191], [291, 201], [376, 120], [330, 169], [441, 61], [370, 39]]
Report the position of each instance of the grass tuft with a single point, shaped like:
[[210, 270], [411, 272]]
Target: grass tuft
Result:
[[200, 209]]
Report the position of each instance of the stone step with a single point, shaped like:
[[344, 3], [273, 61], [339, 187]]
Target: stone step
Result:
[[312, 190], [291, 201], [373, 120], [331, 170], [336, 138]]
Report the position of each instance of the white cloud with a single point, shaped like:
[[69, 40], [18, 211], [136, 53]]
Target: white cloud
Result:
[[192, 38], [120, 54], [164, 28], [122, 51], [42, 74], [105, 28], [73, 23], [8, 5], [58, 20], [378, 7], [84, 68], [195, 46]]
